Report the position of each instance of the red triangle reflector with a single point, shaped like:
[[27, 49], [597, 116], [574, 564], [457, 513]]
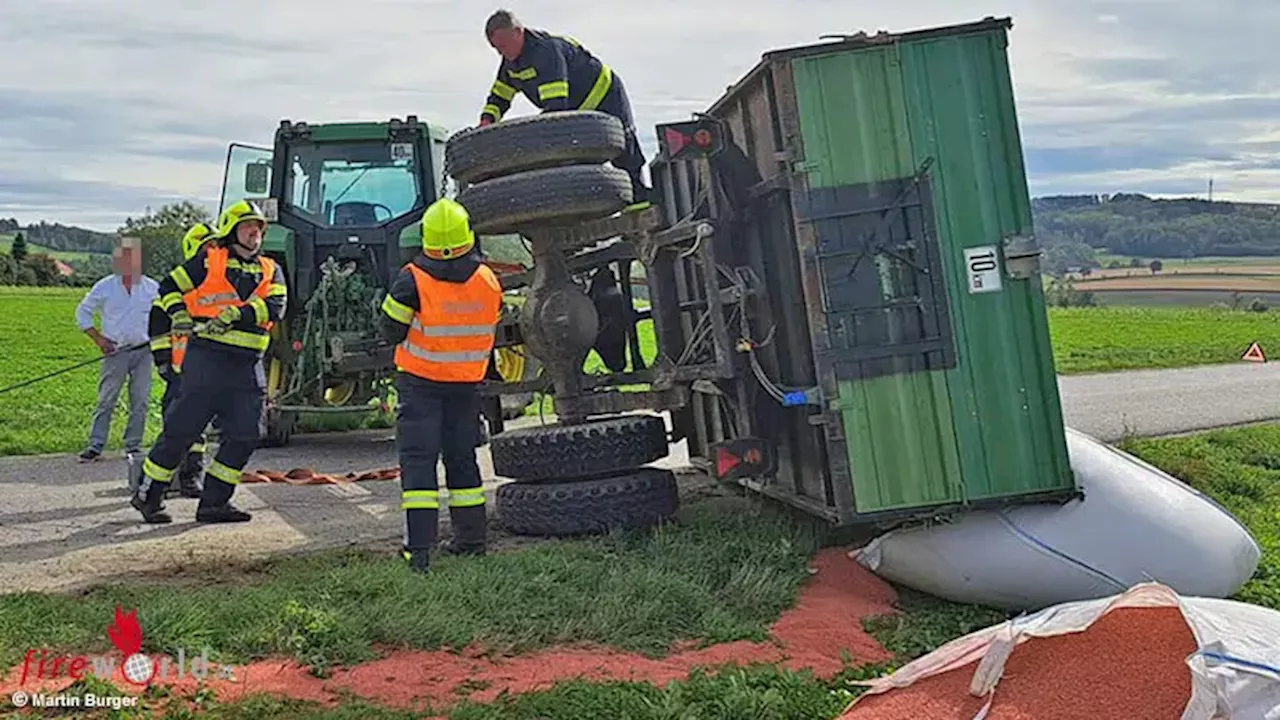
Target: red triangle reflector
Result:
[[725, 461], [675, 140]]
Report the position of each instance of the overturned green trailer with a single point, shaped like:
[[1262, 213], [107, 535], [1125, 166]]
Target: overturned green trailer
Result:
[[872, 223]]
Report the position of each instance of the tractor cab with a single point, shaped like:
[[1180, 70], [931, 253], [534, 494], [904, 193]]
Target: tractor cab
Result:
[[350, 191], [345, 201]]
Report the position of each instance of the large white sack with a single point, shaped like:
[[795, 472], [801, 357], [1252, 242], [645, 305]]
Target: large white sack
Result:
[[1235, 673], [1135, 524]]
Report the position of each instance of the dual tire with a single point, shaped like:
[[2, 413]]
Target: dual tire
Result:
[[549, 170], [542, 170], [587, 478]]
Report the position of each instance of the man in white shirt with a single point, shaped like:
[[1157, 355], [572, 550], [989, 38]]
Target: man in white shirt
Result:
[[123, 299]]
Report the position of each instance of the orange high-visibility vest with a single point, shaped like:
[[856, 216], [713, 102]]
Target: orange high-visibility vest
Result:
[[452, 334], [217, 293]]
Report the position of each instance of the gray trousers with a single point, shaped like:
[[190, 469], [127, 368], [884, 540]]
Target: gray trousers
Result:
[[135, 366]]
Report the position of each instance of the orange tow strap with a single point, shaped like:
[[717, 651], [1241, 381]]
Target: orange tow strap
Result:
[[307, 476]]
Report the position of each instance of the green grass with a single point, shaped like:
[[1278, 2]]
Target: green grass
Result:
[[1240, 468], [1124, 338], [724, 574], [39, 335]]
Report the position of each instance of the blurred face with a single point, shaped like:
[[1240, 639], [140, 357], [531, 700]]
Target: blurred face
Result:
[[508, 43], [249, 234], [127, 257]]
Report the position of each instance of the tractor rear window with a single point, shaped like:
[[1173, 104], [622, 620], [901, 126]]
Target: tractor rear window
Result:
[[356, 184]]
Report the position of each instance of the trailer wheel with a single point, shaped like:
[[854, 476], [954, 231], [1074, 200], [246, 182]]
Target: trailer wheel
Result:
[[555, 196], [575, 137], [592, 449], [639, 499]]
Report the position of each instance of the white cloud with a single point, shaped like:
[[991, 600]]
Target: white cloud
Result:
[[119, 104]]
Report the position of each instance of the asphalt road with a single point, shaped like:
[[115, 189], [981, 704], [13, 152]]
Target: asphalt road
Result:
[[64, 524], [1167, 402]]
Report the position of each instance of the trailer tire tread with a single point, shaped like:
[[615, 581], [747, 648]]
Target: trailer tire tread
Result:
[[535, 142], [554, 196], [639, 499], [592, 449]]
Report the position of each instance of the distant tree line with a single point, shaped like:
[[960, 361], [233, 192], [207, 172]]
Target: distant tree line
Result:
[[19, 266], [55, 236], [1072, 228]]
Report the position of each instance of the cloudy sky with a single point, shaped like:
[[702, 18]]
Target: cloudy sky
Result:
[[110, 106]]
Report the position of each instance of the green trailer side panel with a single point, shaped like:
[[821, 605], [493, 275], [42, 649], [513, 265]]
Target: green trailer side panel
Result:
[[899, 428], [1004, 390]]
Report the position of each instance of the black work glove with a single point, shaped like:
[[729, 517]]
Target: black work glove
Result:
[[167, 373]]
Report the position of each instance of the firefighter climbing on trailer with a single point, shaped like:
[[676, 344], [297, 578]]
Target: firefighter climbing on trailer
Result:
[[442, 314], [168, 350], [555, 72], [237, 294]]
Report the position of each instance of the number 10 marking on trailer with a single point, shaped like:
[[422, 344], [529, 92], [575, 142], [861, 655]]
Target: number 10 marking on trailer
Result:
[[983, 269]]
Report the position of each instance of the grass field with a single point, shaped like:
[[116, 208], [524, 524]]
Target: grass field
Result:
[[1188, 283], [1127, 338], [39, 335], [723, 573]]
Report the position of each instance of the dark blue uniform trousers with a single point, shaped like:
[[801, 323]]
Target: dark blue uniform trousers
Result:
[[617, 104], [215, 384], [195, 455], [433, 421]]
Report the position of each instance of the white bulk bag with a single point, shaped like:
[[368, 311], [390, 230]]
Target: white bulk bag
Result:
[[1235, 674]]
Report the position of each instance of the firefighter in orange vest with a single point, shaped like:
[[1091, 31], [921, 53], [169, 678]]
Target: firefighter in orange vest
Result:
[[237, 295], [168, 350], [442, 313]]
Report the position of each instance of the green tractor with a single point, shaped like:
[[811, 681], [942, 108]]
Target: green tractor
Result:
[[345, 202]]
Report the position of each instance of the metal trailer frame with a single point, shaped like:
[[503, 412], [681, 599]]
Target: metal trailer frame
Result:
[[734, 269]]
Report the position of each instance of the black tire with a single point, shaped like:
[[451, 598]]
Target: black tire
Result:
[[555, 196], [592, 449], [575, 137], [639, 499]]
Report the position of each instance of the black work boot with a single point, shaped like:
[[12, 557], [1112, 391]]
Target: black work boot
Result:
[[215, 503], [151, 505], [189, 476], [419, 560], [469, 530]]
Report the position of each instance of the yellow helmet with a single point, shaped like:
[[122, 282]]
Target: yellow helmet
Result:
[[238, 213], [446, 230], [194, 238]]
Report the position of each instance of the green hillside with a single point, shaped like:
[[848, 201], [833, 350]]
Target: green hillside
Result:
[[1074, 229]]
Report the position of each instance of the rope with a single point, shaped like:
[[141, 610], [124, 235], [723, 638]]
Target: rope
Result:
[[90, 361], [55, 373]]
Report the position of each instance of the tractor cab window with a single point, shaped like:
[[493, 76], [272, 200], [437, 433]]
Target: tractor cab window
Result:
[[358, 184]]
